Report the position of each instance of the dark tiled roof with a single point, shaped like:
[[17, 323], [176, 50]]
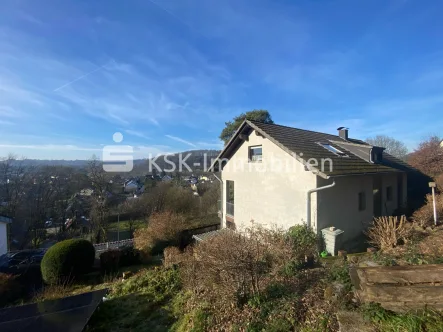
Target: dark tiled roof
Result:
[[305, 144], [5, 219]]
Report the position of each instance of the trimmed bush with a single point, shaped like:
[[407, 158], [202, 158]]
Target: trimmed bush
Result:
[[67, 260]]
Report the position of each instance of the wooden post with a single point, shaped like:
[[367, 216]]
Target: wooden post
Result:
[[433, 185], [435, 207]]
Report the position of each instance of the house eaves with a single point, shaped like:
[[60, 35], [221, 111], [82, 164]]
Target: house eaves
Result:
[[306, 145]]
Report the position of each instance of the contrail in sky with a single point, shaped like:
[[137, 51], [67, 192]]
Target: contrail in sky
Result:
[[81, 77]]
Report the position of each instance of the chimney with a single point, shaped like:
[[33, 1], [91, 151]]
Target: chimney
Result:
[[343, 132]]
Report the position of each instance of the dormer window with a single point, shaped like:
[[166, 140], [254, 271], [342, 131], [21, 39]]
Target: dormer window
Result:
[[333, 149], [376, 155]]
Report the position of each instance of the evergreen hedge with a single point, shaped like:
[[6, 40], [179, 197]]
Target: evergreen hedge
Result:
[[67, 260]]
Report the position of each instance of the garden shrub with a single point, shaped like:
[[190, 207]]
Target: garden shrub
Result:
[[171, 256], [237, 265], [129, 256], [305, 242], [110, 261], [388, 232], [67, 260], [234, 282], [163, 231]]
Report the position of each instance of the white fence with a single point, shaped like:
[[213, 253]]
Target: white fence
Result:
[[113, 245]]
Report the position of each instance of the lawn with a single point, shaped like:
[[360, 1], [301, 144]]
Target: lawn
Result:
[[141, 303], [123, 225]]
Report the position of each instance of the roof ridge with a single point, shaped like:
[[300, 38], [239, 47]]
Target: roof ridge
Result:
[[279, 125]]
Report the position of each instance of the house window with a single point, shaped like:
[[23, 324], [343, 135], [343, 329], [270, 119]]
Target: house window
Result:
[[361, 201], [230, 198], [255, 154], [389, 193], [334, 150]]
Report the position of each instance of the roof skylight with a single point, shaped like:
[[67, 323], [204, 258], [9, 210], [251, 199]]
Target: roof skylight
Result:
[[334, 150]]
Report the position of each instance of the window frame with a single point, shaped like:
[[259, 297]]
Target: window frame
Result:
[[250, 149], [230, 188], [362, 201], [333, 149], [389, 194]]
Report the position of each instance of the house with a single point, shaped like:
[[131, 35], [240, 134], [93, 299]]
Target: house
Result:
[[280, 176], [4, 221], [167, 178], [86, 192], [131, 185]]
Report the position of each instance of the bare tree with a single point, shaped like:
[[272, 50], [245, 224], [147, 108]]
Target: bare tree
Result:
[[14, 178], [394, 147], [101, 192], [428, 157]]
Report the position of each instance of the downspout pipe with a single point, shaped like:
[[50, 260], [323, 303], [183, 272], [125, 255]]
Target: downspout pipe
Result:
[[308, 214], [221, 200]]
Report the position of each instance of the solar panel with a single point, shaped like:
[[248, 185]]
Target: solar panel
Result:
[[70, 314]]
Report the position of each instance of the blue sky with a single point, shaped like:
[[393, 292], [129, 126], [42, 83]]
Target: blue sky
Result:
[[168, 73]]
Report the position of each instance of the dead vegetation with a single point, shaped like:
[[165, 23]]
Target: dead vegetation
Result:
[[237, 263], [252, 281], [425, 215], [388, 232], [162, 231]]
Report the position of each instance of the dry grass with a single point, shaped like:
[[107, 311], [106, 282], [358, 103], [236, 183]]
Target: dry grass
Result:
[[425, 215], [426, 243], [388, 232]]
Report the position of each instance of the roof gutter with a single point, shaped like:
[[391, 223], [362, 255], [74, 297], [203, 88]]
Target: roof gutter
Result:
[[308, 212]]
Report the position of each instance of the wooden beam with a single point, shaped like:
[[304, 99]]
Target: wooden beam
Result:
[[404, 294], [418, 274]]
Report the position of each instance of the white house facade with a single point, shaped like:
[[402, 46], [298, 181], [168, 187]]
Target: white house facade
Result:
[[4, 221], [279, 176]]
